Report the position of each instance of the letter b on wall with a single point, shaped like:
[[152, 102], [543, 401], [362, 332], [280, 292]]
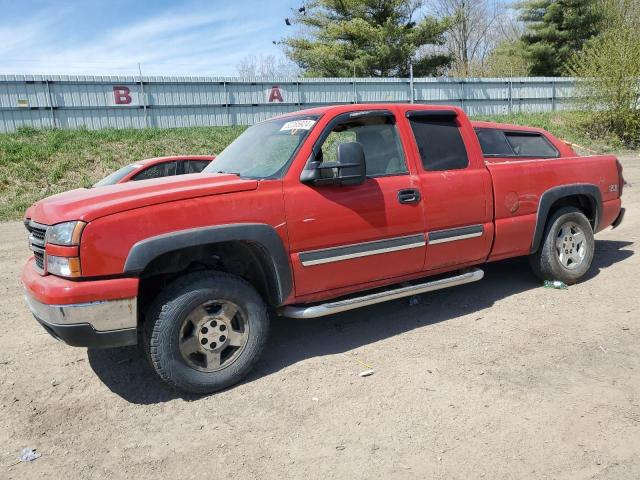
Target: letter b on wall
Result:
[[122, 95]]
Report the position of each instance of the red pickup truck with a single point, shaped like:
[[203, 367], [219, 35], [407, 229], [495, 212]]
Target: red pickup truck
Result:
[[308, 214]]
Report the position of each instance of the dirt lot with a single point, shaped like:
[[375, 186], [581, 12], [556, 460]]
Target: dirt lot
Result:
[[498, 379]]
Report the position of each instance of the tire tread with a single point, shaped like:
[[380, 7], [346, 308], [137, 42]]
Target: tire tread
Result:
[[544, 262], [158, 334]]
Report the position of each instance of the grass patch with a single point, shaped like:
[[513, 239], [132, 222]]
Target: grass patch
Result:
[[37, 163]]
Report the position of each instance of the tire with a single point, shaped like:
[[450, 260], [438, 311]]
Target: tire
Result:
[[565, 255], [193, 338]]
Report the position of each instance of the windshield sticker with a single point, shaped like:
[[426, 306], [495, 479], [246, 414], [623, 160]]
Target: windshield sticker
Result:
[[298, 125]]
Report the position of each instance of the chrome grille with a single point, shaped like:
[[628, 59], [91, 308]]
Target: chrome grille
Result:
[[37, 240], [38, 233], [39, 256]]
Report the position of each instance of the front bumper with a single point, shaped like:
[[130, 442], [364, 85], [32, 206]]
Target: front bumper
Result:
[[101, 313], [78, 325]]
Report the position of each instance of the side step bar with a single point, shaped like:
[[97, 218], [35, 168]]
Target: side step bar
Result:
[[313, 311]]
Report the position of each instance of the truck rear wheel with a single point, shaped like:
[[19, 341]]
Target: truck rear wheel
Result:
[[567, 247], [206, 331]]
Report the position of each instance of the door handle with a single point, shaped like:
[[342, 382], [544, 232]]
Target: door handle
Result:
[[409, 195]]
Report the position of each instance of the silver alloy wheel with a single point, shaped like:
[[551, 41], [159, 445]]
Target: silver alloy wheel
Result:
[[213, 335], [571, 245]]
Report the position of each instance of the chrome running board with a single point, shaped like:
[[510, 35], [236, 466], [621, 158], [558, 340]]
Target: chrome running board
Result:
[[313, 311]]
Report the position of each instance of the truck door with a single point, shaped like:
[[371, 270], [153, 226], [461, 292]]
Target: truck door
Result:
[[456, 188], [342, 236]]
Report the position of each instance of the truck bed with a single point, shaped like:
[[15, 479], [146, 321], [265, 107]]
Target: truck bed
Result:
[[519, 184]]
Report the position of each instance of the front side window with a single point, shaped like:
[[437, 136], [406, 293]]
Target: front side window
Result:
[[440, 143], [264, 150], [165, 169], [380, 141], [195, 166]]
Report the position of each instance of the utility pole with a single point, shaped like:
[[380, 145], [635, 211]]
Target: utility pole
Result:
[[355, 90], [142, 97], [465, 36], [411, 94]]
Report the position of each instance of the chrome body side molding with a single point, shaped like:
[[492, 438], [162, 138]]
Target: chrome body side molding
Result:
[[357, 250], [453, 234]]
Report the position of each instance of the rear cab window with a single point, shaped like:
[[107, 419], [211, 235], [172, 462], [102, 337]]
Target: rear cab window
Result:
[[437, 135], [526, 144], [501, 143], [494, 143]]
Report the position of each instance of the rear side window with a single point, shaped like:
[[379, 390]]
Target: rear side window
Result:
[[165, 169], [494, 143], [440, 143], [530, 145]]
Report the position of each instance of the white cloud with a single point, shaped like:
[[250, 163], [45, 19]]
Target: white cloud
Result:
[[20, 38], [177, 42]]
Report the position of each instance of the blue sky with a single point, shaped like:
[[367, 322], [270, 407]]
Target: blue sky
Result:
[[186, 37]]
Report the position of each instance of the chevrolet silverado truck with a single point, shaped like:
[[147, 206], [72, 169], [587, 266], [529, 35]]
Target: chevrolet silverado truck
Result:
[[308, 214]]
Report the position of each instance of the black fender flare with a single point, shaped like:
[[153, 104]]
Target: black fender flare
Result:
[[145, 251], [549, 197]]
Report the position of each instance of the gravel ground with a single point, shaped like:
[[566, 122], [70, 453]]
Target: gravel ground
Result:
[[499, 379]]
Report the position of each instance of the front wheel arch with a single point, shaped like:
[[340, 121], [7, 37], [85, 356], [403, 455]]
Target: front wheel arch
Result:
[[266, 247]]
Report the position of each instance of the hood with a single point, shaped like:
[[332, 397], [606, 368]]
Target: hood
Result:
[[90, 203]]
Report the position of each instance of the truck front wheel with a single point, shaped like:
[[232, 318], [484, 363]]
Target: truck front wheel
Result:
[[205, 331], [567, 248]]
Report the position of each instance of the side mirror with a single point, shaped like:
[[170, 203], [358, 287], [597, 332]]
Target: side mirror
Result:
[[349, 169]]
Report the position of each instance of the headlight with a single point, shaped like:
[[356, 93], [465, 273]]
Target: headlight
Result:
[[67, 233], [63, 266]]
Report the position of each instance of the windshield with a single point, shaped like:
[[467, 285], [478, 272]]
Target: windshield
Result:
[[116, 176], [264, 150]]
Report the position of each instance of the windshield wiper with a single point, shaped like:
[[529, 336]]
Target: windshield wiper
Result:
[[228, 173]]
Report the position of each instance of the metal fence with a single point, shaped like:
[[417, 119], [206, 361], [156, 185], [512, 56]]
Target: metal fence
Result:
[[96, 102]]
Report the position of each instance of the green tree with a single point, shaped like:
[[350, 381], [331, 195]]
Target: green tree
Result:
[[376, 37], [619, 12], [608, 69], [556, 29], [507, 60]]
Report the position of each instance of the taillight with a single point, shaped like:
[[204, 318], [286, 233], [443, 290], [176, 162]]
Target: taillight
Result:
[[620, 178]]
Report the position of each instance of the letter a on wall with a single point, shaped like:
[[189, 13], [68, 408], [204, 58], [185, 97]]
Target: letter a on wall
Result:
[[275, 95], [122, 95]]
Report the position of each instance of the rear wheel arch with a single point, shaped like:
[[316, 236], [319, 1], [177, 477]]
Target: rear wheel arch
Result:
[[254, 252], [583, 196]]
